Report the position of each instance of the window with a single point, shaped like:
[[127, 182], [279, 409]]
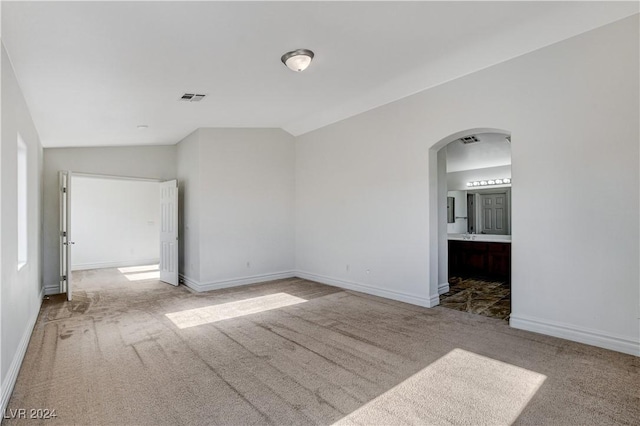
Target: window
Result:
[[22, 203]]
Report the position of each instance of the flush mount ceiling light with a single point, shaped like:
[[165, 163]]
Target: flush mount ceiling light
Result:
[[297, 60], [142, 127]]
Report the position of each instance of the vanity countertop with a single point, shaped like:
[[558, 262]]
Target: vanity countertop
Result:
[[480, 237]]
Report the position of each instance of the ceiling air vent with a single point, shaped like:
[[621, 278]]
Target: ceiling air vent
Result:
[[469, 139], [192, 97]]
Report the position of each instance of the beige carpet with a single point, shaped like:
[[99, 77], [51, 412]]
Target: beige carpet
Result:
[[131, 350]]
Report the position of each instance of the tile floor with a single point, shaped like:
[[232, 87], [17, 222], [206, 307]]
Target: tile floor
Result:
[[488, 298]]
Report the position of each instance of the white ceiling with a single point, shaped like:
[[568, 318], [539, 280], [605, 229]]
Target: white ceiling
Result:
[[492, 150], [92, 71]]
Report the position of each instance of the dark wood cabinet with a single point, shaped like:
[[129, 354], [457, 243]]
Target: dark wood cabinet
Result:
[[480, 259]]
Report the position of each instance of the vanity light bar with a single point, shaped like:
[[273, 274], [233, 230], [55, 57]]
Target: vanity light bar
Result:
[[489, 182]]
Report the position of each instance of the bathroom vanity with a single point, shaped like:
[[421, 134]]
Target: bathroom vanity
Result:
[[480, 255]]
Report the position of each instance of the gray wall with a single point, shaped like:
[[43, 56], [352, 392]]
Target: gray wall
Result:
[[156, 162], [20, 295]]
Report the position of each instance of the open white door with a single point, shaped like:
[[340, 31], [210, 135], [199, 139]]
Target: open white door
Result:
[[169, 232], [65, 233]]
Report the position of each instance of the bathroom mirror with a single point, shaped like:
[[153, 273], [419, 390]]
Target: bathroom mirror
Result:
[[479, 211], [489, 211], [451, 214]]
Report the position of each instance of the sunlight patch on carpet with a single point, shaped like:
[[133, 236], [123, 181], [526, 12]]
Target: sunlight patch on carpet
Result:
[[143, 276], [459, 388], [141, 268], [214, 313]]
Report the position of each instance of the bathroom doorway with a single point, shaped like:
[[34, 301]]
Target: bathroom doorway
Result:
[[474, 187]]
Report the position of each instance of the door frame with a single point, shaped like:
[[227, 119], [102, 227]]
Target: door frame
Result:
[[438, 236], [105, 176], [72, 174], [64, 232]]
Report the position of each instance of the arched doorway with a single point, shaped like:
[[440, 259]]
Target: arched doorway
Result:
[[439, 206]]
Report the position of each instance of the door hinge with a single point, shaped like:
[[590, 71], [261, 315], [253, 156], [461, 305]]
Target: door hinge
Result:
[[64, 190], [64, 278], [64, 233]]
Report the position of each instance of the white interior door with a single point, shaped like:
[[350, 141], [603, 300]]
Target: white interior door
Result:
[[169, 232], [494, 213], [65, 233]]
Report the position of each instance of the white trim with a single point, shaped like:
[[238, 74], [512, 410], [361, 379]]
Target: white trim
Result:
[[115, 177], [48, 291], [117, 264], [12, 374], [41, 295], [369, 289], [576, 334], [438, 237], [234, 282], [188, 282], [443, 288]]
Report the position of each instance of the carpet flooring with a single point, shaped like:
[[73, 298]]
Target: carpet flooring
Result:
[[131, 350]]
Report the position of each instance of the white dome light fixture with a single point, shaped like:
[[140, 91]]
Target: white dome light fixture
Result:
[[297, 60]]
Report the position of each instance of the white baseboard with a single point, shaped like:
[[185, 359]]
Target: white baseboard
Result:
[[576, 334], [443, 288], [369, 289], [188, 282], [234, 282], [48, 291], [9, 381], [116, 264]]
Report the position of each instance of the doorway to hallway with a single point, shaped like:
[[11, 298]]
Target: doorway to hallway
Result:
[[119, 223]]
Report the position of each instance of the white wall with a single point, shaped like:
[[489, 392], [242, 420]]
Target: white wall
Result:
[[188, 171], [440, 236], [363, 187], [243, 181], [20, 292], [154, 162], [115, 222], [3, 400], [459, 226]]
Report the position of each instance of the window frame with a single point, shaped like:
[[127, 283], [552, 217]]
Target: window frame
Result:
[[22, 202]]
